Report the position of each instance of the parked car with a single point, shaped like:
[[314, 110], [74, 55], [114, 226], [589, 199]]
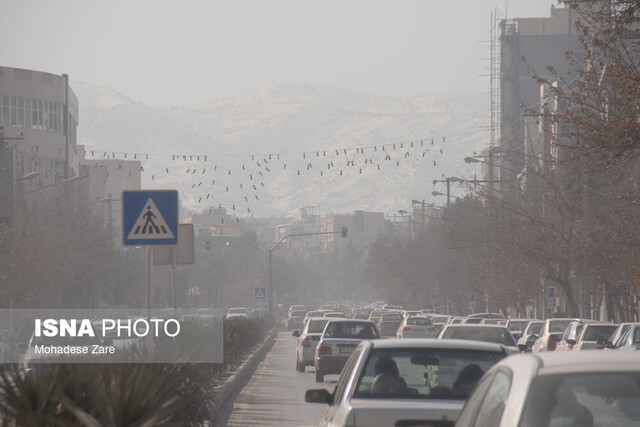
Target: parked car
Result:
[[417, 327], [529, 335], [516, 326], [339, 338], [296, 320], [550, 334], [389, 324], [308, 339], [488, 333], [410, 382], [586, 389]]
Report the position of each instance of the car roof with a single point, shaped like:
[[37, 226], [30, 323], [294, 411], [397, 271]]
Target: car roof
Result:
[[392, 343], [474, 325], [550, 363], [345, 320]]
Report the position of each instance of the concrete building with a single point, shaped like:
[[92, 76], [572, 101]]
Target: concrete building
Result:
[[362, 229], [529, 46], [38, 134]]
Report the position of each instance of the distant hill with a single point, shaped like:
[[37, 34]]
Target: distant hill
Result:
[[270, 152]]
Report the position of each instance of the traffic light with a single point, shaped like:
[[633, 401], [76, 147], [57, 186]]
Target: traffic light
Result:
[[343, 233]]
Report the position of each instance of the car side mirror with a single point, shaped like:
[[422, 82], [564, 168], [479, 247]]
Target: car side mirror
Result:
[[296, 333], [571, 341], [319, 395]]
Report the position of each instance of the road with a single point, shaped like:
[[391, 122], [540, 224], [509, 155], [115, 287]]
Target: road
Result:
[[274, 395]]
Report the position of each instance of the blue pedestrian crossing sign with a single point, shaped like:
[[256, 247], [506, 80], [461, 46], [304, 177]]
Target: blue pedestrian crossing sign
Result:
[[150, 217], [260, 293]]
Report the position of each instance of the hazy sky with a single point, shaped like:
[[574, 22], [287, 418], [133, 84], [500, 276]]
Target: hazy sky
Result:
[[180, 52]]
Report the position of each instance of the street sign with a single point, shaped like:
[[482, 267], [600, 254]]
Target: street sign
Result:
[[551, 296], [150, 217], [183, 251], [472, 300], [260, 293]]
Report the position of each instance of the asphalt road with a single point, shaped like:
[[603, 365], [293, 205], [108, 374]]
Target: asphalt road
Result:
[[274, 395]]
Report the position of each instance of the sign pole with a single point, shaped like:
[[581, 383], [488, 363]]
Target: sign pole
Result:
[[173, 280]]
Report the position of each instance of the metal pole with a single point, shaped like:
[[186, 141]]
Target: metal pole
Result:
[[173, 280], [270, 280], [65, 123], [448, 192]]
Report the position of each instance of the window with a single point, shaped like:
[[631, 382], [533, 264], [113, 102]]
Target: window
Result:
[[424, 373], [493, 405], [344, 377], [471, 407]]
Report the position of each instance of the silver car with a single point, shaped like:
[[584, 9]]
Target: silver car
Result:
[[586, 389], [339, 338], [406, 382], [308, 339], [488, 333]]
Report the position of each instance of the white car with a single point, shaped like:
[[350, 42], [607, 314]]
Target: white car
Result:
[[488, 333], [409, 382], [586, 389], [237, 313], [417, 327], [308, 339]]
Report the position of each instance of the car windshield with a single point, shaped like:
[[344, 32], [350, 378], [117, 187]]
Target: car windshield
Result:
[[421, 373], [495, 335], [584, 399], [418, 321], [350, 330], [593, 332], [317, 326]]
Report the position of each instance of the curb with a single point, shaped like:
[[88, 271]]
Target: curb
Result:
[[242, 373]]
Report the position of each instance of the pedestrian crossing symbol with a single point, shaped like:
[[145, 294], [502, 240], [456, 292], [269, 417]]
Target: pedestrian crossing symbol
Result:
[[150, 217], [260, 293], [150, 224]]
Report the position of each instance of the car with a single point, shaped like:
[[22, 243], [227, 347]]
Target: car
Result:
[[550, 334], [529, 335], [406, 382], [296, 319], [411, 313], [334, 314], [339, 338], [501, 322], [315, 313], [586, 389], [477, 317], [574, 338], [235, 313], [439, 320], [630, 340], [517, 325], [620, 330], [375, 315], [456, 320], [296, 307], [389, 323], [362, 313], [417, 327], [308, 339], [488, 333]]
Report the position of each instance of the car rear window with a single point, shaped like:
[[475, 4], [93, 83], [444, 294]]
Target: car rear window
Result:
[[351, 330], [535, 328], [517, 325], [419, 321], [391, 317], [593, 332], [558, 326], [317, 326], [424, 373], [297, 313], [583, 399]]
